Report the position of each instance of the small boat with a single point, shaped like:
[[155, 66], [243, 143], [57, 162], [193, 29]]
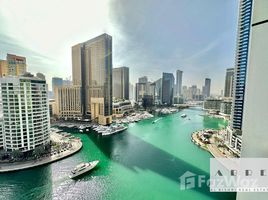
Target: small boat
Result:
[[156, 120], [82, 168], [183, 115]]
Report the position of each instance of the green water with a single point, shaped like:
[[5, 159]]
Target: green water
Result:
[[144, 162]]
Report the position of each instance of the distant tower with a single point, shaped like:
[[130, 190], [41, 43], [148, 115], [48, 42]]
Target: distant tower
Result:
[[206, 88], [121, 83], [178, 82], [167, 88], [229, 78]]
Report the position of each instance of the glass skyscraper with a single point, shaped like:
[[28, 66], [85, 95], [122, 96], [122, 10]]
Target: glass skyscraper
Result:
[[234, 131]]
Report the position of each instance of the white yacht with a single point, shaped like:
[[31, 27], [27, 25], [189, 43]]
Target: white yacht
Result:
[[183, 115], [83, 168]]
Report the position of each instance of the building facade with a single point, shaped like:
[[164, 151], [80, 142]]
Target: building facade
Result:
[[254, 126], [25, 113], [179, 83], [92, 70], [206, 88], [68, 102], [121, 108], [16, 65], [167, 88], [234, 131], [229, 78], [3, 68], [121, 83]]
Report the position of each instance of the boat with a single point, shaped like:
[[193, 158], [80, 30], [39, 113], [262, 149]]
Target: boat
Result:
[[183, 115], [114, 130], [156, 120], [82, 168]]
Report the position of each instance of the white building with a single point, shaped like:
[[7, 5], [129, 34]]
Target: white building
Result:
[[25, 113]]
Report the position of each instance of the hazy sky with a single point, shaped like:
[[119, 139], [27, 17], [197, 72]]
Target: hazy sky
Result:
[[149, 36]]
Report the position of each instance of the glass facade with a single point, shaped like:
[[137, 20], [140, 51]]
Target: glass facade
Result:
[[241, 63]]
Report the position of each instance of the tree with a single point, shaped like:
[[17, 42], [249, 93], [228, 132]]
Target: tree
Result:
[[16, 154], [38, 151]]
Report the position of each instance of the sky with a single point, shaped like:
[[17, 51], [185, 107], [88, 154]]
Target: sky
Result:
[[149, 36]]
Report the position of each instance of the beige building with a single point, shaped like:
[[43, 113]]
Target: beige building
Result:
[[121, 108], [92, 70], [16, 65], [3, 68], [68, 102]]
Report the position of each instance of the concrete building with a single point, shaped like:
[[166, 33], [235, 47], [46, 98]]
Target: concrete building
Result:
[[234, 131], [226, 107], [229, 78], [92, 70], [132, 92], [158, 91], [25, 113], [179, 82], [167, 88], [16, 65], [121, 108], [255, 110], [206, 88], [68, 102], [212, 104], [143, 79], [56, 82], [121, 83], [141, 89]]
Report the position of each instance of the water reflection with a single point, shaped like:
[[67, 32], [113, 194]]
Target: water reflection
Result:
[[134, 153], [27, 184]]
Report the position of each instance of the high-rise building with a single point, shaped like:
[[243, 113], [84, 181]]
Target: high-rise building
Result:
[[56, 82], [178, 82], [158, 91], [92, 70], [255, 108], [16, 65], [234, 131], [3, 68], [131, 92], [141, 91], [121, 83], [25, 113], [143, 79], [68, 102], [229, 78], [206, 88], [167, 88]]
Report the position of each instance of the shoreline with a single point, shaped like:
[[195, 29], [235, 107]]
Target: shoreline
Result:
[[211, 148], [17, 166]]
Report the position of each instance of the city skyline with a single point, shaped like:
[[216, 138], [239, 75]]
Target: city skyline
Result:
[[149, 55]]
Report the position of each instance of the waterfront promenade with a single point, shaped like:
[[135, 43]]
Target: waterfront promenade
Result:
[[75, 144], [211, 147]]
